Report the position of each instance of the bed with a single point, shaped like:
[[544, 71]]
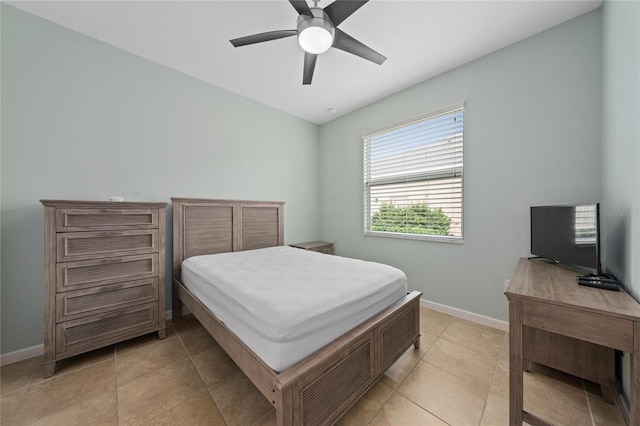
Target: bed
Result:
[[323, 385]]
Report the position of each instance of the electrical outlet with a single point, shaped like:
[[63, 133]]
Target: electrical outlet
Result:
[[506, 283]]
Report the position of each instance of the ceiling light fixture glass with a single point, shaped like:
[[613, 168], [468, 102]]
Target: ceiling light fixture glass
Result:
[[315, 34]]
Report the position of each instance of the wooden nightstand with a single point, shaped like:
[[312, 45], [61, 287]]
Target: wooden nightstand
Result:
[[319, 246]]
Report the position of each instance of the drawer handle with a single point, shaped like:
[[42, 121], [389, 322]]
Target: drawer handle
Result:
[[112, 260], [112, 314], [110, 287], [107, 211], [112, 233]]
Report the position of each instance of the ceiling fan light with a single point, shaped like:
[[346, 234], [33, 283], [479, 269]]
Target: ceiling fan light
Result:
[[315, 39], [315, 33]]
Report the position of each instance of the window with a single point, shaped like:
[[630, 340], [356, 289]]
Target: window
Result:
[[586, 224], [413, 178]]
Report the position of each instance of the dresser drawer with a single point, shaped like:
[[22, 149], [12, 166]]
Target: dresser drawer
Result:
[[98, 330], [88, 245], [110, 270], [104, 219], [90, 301], [582, 325]]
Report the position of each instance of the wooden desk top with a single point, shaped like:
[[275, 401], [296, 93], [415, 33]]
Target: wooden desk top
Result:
[[543, 280]]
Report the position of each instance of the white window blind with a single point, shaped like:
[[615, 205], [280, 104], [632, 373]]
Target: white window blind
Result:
[[413, 177]]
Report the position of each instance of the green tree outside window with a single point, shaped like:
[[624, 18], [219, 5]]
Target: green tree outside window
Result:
[[416, 218]]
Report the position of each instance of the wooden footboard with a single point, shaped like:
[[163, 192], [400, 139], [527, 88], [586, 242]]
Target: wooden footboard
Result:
[[322, 387]]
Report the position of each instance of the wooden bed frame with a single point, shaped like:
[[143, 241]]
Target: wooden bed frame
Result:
[[321, 388]]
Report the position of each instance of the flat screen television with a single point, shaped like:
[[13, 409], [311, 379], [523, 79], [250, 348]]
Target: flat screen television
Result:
[[567, 234]]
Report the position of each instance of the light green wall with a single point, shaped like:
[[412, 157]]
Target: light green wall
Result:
[[532, 137], [84, 120], [621, 141], [621, 147]]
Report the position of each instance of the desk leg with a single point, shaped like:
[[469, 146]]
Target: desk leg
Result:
[[635, 377], [515, 362]]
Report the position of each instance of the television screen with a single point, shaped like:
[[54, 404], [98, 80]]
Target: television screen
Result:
[[567, 234]]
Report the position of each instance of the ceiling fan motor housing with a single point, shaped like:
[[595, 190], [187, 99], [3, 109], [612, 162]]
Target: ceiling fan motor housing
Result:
[[315, 33]]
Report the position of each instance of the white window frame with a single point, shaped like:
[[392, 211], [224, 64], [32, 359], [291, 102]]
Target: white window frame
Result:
[[454, 171]]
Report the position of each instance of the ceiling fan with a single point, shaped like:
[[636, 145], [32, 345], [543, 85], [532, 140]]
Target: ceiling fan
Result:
[[317, 31]]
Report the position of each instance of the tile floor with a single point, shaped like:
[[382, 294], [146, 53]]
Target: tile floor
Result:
[[459, 376]]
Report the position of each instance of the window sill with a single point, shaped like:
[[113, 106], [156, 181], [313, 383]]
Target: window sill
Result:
[[435, 238]]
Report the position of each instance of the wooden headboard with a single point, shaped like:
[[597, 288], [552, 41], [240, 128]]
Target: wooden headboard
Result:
[[204, 226]]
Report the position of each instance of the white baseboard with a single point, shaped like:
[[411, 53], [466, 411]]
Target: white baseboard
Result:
[[22, 354], [470, 316]]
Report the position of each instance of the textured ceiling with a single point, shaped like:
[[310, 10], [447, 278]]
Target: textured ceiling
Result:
[[420, 38]]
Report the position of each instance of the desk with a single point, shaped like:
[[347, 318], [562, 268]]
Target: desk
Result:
[[545, 297]]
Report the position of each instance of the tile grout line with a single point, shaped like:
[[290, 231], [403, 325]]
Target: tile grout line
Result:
[[441, 336], [493, 377], [395, 391], [438, 336], [414, 402], [586, 395], [23, 391], [201, 378], [33, 374], [115, 371]]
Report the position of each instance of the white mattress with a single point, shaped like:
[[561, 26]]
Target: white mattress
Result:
[[285, 303]]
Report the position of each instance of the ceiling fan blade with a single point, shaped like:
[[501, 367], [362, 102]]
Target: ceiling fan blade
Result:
[[344, 41], [301, 6], [340, 10], [309, 66], [259, 38]]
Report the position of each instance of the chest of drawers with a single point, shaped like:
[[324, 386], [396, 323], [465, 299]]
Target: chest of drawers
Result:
[[104, 275]]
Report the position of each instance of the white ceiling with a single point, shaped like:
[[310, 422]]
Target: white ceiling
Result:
[[421, 39]]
